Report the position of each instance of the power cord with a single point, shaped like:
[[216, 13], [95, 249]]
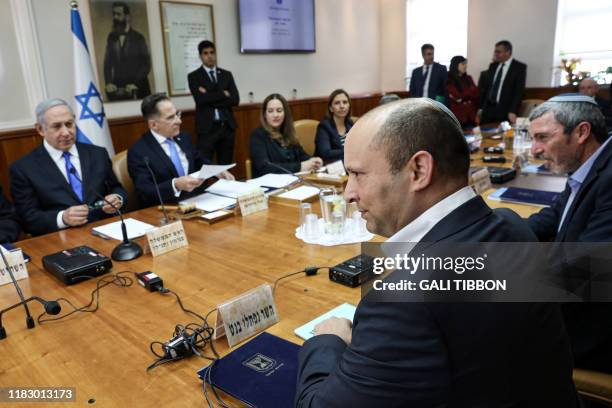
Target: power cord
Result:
[[117, 279], [309, 271]]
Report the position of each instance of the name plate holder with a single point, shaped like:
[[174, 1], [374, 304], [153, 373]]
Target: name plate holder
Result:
[[246, 315], [481, 181], [252, 202], [167, 238], [17, 265]]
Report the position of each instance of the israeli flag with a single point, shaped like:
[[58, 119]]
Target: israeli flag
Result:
[[92, 126]]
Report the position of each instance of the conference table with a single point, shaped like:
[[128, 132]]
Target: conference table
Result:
[[103, 355]]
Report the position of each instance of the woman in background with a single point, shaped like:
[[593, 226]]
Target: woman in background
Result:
[[274, 146], [332, 130], [462, 92]]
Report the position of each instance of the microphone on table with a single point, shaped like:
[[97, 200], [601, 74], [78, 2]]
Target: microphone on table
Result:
[[159, 196], [284, 170], [51, 306], [126, 250]]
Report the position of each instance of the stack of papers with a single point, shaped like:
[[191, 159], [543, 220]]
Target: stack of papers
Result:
[[300, 193], [134, 229], [273, 180], [230, 188], [210, 202], [207, 171]]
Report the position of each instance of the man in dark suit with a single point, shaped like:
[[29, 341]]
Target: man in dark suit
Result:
[[126, 61], [215, 93], [9, 226], [408, 164], [503, 91], [168, 153], [59, 184], [429, 81], [569, 132]]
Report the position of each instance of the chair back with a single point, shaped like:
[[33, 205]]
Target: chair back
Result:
[[121, 172], [527, 105], [306, 131]]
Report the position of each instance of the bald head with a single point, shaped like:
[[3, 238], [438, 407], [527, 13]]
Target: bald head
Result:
[[589, 87]]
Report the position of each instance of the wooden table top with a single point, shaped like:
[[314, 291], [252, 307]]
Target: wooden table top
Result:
[[104, 354]]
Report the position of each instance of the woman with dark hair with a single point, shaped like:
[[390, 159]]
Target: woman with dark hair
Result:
[[332, 130], [462, 92], [274, 143]]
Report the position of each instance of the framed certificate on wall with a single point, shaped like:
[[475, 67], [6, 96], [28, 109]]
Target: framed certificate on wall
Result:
[[184, 25]]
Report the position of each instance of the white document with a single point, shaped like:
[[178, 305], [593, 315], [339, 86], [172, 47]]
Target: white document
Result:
[[300, 193], [273, 180], [231, 188], [336, 168], [134, 229], [345, 310], [210, 202], [209, 170]]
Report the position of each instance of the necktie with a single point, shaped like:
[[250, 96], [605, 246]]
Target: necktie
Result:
[[174, 156], [426, 71], [496, 83], [213, 77], [73, 176]]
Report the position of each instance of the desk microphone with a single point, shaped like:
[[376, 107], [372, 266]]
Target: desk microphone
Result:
[[51, 307], [284, 170], [161, 201], [126, 250]]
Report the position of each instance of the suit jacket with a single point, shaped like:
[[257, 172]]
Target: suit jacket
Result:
[[264, 151], [9, 225], [128, 64], [214, 98], [327, 141], [437, 81], [587, 220], [40, 191], [512, 88], [164, 170], [452, 355]]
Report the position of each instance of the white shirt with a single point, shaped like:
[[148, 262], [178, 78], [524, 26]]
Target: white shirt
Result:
[[417, 229], [426, 84], [503, 76], [183, 158], [60, 162]]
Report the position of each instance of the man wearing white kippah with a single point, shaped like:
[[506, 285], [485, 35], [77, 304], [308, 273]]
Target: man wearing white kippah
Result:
[[569, 132]]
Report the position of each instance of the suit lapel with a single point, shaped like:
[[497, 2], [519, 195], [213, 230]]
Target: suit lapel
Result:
[[50, 170], [601, 162], [460, 218], [85, 160], [186, 147], [160, 155]]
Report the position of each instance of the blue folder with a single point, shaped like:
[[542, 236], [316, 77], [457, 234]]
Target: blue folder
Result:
[[261, 373], [529, 196]]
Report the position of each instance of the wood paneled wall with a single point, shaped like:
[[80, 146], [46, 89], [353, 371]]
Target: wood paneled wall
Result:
[[125, 131]]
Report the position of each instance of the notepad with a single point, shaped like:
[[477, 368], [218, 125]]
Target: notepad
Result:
[[210, 202], [261, 373], [273, 180], [345, 310], [230, 188], [301, 193], [134, 229]]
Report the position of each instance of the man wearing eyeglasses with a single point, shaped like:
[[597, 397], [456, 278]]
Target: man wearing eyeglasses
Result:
[[166, 152]]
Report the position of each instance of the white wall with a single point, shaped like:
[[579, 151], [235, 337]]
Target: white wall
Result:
[[529, 25], [392, 45], [347, 56]]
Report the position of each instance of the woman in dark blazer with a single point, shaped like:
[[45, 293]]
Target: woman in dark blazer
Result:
[[332, 130], [275, 145], [462, 92]]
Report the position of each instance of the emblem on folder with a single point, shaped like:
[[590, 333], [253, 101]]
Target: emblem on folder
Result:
[[259, 363]]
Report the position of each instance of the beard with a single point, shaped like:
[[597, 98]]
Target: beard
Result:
[[119, 26]]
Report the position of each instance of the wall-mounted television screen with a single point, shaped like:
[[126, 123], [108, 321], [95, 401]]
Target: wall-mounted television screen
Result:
[[277, 26]]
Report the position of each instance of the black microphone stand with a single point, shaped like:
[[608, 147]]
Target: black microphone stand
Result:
[[164, 220]]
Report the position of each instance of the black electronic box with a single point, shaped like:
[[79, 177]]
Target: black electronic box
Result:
[[354, 271], [77, 264]]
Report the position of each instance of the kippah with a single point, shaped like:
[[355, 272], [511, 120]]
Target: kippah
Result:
[[444, 109], [573, 97]]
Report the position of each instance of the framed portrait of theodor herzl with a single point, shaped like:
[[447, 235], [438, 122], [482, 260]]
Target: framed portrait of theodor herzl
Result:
[[184, 25], [122, 51]]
